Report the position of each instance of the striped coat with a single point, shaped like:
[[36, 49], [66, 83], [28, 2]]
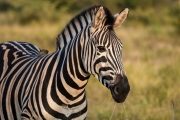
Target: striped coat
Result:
[[52, 86]]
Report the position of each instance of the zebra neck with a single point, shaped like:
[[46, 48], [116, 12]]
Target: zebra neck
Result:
[[71, 77]]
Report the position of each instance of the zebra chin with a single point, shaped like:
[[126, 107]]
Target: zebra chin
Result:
[[120, 88]]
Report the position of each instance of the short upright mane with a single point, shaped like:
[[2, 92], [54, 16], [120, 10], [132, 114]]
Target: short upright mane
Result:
[[84, 12], [84, 18], [95, 8]]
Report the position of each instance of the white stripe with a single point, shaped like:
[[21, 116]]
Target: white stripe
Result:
[[5, 66]]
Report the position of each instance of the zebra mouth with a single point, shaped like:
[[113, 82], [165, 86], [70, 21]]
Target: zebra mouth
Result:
[[118, 96], [120, 89]]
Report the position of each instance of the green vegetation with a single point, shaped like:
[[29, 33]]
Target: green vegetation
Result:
[[151, 53]]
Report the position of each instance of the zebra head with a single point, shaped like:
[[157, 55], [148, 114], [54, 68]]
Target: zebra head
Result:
[[104, 53]]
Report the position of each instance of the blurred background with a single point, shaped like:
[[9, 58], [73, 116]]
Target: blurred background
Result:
[[151, 52]]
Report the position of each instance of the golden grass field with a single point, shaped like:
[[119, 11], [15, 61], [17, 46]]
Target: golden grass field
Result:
[[151, 58]]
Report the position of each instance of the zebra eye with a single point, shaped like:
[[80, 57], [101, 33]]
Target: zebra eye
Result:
[[101, 48]]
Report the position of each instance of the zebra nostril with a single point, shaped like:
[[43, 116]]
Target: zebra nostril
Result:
[[121, 89], [116, 90]]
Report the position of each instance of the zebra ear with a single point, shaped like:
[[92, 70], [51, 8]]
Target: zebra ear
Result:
[[120, 18], [99, 17]]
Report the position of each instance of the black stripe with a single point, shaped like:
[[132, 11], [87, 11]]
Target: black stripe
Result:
[[80, 23], [86, 20], [25, 116], [80, 102], [74, 26], [64, 38], [69, 31], [53, 92], [1, 60], [74, 115], [71, 58]]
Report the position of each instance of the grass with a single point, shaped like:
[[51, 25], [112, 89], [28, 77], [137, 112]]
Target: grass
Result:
[[151, 60]]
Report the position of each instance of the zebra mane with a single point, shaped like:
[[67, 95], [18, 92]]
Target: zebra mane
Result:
[[109, 16], [62, 38]]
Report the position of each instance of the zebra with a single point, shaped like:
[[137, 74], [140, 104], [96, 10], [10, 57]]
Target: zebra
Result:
[[52, 86]]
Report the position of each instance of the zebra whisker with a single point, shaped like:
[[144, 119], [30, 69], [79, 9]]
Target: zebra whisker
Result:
[[105, 98], [113, 111], [125, 111]]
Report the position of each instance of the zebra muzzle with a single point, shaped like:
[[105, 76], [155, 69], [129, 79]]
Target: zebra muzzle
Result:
[[120, 88]]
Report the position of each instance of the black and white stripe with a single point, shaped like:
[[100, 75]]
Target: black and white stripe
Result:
[[52, 86]]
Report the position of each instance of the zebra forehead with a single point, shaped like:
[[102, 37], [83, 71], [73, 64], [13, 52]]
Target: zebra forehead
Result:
[[110, 36]]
